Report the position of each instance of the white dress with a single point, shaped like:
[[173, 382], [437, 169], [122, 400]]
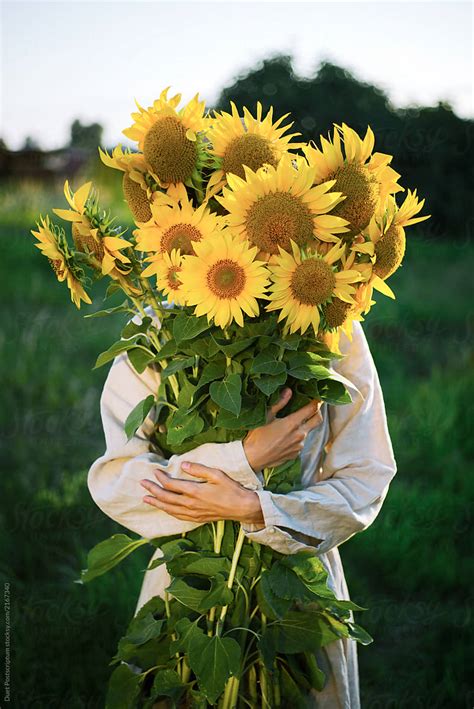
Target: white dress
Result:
[[348, 464]]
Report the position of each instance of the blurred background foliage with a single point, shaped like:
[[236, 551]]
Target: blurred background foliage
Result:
[[412, 568]]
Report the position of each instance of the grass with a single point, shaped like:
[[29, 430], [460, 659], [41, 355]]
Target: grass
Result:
[[411, 568]]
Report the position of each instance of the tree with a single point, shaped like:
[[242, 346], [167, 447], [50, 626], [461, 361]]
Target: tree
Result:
[[87, 137]]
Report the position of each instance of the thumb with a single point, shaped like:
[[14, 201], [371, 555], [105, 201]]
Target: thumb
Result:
[[285, 396]]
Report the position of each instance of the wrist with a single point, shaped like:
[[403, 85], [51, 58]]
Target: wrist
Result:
[[252, 454], [250, 509]]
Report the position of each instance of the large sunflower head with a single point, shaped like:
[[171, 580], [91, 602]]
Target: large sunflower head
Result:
[[170, 139], [248, 140], [276, 205], [176, 224], [137, 185], [366, 178], [223, 280], [93, 231], [53, 244], [305, 282]]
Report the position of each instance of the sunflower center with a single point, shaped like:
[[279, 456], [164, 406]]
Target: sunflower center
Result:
[[172, 277], [312, 282], [276, 218], [86, 243], [248, 149], [136, 198], [362, 191], [180, 236], [226, 279], [336, 312], [389, 250], [167, 150], [57, 266]]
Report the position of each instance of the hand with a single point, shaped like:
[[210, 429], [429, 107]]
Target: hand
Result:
[[216, 496], [281, 439]]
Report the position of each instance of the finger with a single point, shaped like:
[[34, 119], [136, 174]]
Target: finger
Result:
[[161, 494], [180, 487], [285, 396], [312, 422], [298, 417], [172, 510], [201, 471]]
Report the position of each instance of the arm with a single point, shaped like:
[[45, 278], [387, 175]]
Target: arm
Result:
[[356, 472], [114, 478]]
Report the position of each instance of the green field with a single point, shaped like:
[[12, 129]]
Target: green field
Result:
[[412, 568]]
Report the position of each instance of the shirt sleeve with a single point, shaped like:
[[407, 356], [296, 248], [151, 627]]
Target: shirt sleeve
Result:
[[114, 478], [355, 474]]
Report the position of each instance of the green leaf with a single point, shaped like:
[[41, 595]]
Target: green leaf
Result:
[[230, 349], [299, 631], [270, 383], [311, 572], [200, 563], [333, 392], [123, 308], [285, 583], [169, 349], [140, 358], [273, 606], [182, 425], [249, 417], [168, 684], [358, 633], [187, 327], [114, 350], [107, 554], [213, 660], [200, 593], [170, 549], [212, 371], [124, 687], [133, 328], [137, 416], [266, 363], [227, 393], [143, 629], [177, 365], [186, 631]]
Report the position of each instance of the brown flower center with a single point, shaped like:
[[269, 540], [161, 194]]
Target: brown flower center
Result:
[[336, 312], [248, 149], [58, 267], [180, 236], [87, 244], [362, 191], [276, 218], [390, 250], [313, 282], [172, 277], [137, 199], [170, 154], [226, 279]]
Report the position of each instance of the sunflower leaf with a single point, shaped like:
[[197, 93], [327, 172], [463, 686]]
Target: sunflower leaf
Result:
[[227, 393]]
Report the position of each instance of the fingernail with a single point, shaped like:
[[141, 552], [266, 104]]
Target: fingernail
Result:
[[287, 391], [185, 465]]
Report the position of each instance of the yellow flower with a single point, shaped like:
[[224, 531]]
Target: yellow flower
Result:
[[169, 138], [303, 282], [167, 268], [247, 141], [136, 190], [276, 205], [91, 231], [366, 178], [223, 279], [175, 224], [52, 243]]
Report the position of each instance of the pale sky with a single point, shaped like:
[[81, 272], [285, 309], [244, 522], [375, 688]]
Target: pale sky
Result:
[[89, 60]]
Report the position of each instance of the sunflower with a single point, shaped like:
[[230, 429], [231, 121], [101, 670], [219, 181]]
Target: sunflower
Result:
[[223, 280], [366, 178], [175, 224], [247, 141], [303, 282], [276, 205], [167, 267], [92, 231], [136, 184], [171, 139], [383, 244], [52, 243]]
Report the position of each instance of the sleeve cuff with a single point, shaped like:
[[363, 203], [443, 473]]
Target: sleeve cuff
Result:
[[274, 533], [239, 467]]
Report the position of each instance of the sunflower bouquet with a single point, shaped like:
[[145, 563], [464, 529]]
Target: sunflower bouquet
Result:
[[254, 252]]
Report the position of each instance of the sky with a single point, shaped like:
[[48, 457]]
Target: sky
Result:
[[90, 59]]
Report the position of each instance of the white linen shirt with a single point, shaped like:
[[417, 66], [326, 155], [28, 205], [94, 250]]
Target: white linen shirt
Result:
[[348, 464]]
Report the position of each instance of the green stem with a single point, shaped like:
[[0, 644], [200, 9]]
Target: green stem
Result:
[[230, 582]]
